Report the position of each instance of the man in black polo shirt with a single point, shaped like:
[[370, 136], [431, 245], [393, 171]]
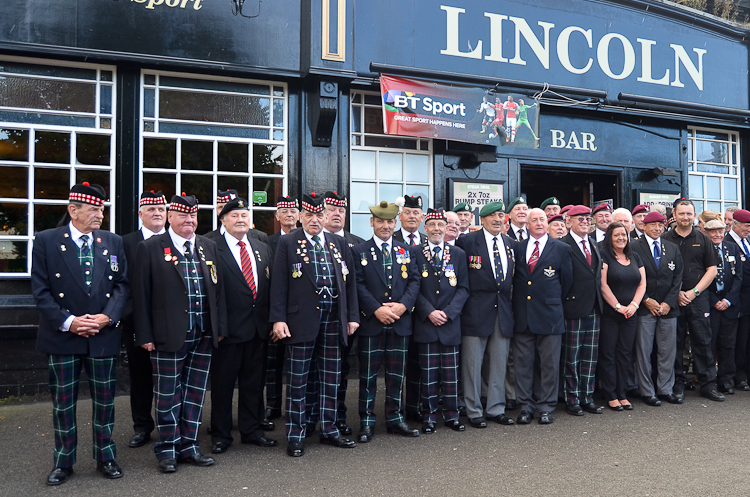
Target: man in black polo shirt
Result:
[[700, 261]]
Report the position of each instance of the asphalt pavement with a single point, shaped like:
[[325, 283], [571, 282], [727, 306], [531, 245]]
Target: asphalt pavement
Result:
[[699, 448]]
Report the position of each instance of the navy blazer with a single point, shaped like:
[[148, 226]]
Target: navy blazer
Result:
[[664, 284], [487, 300], [295, 300], [733, 268], [59, 288], [398, 235], [538, 297], [436, 293], [130, 244], [586, 293], [745, 291], [372, 289]]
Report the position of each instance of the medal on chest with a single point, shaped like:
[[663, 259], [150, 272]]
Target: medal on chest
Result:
[[212, 270], [364, 259], [296, 270], [113, 265], [451, 274]]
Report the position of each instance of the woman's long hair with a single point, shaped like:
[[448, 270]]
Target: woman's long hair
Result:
[[607, 242]]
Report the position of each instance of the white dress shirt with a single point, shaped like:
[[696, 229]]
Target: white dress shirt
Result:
[[388, 243], [234, 246], [76, 236], [488, 238], [517, 230], [578, 240], [442, 251], [179, 242], [651, 243], [599, 235], [530, 247], [417, 237], [147, 233], [339, 232]]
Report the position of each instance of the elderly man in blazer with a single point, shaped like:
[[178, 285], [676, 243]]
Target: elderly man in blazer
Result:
[[443, 291], [79, 282], [487, 318], [222, 197], [544, 276], [182, 316], [152, 211], [387, 289], [313, 309], [240, 358], [657, 315], [738, 234], [583, 310]]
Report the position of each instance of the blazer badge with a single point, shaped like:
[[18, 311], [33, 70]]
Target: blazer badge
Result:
[[549, 272], [671, 265]]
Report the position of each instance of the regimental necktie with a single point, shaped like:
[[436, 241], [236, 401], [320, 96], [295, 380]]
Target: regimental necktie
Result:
[[720, 270], [520, 235], [411, 239], [534, 257], [437, 257], [387, 262], [85, 245], [247, 268], [316, 239], [188, 252], [745, 246], [86, 260], [657, 253], [586, 251], [498, 263]]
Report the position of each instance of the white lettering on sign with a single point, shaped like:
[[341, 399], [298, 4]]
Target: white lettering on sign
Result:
[[567, 44], [430, 105], [151, 4], [586, 141]]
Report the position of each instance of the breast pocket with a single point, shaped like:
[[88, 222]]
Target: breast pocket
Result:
[[291, 309]]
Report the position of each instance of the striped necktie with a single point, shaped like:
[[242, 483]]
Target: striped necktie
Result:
[[247, 268]]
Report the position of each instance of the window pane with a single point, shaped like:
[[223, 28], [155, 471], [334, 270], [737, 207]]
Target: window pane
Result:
[[373, 100], [713, 187], [278, 113], [105, 99], [391, 167], [206, 221], [13, 258], [159, 153], [278, 91], [160, 181], [390, 192], [233, 157], [712, 152], [710, 168], [238, 183], [200, 185], [696, 186], [390, 142], [94, 177], [214, 85], [423, 191], [698, 206], [362, 165], [265, 222], [361, 227], [14, 144], [268, 159], [15, 182], [198, 155], [278, 135], [93, 149], [14, 219], [362, 196], [417, 168], [690, 150], [712, 136], [730, 189], [47, 94], [51, 183], [149, 99], [374, 120], [218, 108], [356, 98], [47, 216], [272, 186], [52, 147], [356, 119], [714, 207]]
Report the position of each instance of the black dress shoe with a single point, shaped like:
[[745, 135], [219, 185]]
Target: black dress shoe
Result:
[[343, 427], [139, 439], [109, 469], [267, 425], [338, 441], [58, 476], [272, 413], [198, 459], [414, 416], [627, 407], [462, 410], [455, 425], [524, 418], [617, 408], [545, 418], [713, 394], [652, 401], [428, 428], [574, 410], [591, 408], [478, 422], [743, 385], [689, 385], [295, 449], [501, 419], [260, 441], [402, 429], [726, 388], [511, 404], [220, 447], [168, 465], [365, 434], [672, 398]]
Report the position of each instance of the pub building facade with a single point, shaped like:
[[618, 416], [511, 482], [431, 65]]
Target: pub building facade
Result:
[[638, 100]]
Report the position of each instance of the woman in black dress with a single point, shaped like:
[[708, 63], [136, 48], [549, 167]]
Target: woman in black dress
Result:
[[623, 287]]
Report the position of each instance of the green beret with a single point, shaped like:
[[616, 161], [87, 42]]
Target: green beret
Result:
[[492, 207], [514, 202], [384, 210], [463, 206], [550, 201]]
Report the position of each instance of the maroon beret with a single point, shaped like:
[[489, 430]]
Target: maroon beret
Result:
[[579, 210], [604, 206], [556, 217], [638, 209], [741, 216], [566, 208], [654, 217]]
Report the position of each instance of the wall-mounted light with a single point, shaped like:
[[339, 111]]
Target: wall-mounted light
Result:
[[237, 8]]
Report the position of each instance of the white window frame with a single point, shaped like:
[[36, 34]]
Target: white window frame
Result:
[[734, 165]]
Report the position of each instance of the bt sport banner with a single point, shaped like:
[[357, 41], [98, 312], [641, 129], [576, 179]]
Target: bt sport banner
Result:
[[425, 109]]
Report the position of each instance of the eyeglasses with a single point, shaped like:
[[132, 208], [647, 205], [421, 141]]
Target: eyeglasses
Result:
[[583, 219]]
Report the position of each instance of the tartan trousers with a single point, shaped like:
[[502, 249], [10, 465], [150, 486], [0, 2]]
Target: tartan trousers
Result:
[[179, 390], [274, 374], [439, 361], [64, 374], [388, 348], [313, 376], [580, 354]]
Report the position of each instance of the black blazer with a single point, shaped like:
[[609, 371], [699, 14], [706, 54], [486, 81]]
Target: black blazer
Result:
[[352, 239], [295, 300], [59, 288], [160, 294], [745, 291], [252, 233], [664, 284], [246, 316], [538, 297], [586, 293], [733, 277], [398, 235], [130, 244], [372, 289], [487, 301], [436, 293]]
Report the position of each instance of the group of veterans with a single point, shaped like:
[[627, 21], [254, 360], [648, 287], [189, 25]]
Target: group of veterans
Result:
[[533, 307]]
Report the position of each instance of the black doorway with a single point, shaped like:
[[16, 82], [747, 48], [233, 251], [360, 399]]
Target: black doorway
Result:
[[570, 186]]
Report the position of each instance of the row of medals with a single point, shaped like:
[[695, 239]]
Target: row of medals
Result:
[[400, 259]]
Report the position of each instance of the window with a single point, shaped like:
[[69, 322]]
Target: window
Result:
[[383, 167], [56, 130], [714, 158], [203, 135]]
